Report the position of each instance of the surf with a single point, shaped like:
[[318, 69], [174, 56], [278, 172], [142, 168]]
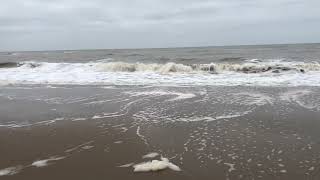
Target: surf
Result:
[[248, 73]]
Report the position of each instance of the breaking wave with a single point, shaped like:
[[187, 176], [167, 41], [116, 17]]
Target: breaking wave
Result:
[[123, 73], [247, 67]]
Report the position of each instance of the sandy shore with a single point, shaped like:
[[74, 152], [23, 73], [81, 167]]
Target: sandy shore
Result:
[[81, 132]]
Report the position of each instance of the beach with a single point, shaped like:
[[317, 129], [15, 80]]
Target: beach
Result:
[[209, 132], [159, 90]]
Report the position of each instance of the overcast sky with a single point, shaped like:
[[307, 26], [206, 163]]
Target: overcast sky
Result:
[[87, 24]]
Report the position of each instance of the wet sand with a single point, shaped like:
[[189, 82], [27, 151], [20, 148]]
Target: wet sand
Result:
[[87, 132]]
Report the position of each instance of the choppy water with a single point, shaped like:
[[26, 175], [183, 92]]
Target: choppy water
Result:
[[204, 109], [268, 65]]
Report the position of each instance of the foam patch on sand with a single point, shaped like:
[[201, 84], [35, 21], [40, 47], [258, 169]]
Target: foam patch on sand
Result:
[[179, 95], [87, 147], [79, 119], [45, 162], [150, 155], [10, 171], [126, 165], [155, 165], [226, 116]]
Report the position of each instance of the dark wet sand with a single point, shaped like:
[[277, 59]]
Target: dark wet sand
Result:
[[269, 139]]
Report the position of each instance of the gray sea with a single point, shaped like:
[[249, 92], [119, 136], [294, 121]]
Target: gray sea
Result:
[[238, 112]]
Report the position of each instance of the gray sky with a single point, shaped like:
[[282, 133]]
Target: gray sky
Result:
[[83, 24]]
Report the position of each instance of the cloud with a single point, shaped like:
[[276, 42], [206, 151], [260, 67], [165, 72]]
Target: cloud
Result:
[[60, 24]]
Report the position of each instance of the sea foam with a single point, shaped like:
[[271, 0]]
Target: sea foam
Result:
[[10, 170], [155, 165], [45, 162]]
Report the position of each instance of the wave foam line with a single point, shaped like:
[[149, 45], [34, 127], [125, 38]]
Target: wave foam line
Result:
[[120, 73], [169, 67]]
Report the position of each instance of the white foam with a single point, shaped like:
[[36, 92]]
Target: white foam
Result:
[[195, 119], [126, 165], [12, 125], [20, 125], [253, 60], [254, 98], [180, 95], [79, 119], [45, 162], [155, 165], [87, 147], [207, 118], [47, 122], [298, 96], [150, 155], [231, 166], [78, 146], [142, 137], [10, 171], [294, 95]]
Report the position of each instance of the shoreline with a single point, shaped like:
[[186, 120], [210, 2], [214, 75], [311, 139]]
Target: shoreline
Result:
[[264, 133]]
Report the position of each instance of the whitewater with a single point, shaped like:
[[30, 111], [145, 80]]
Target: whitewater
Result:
[[249, 73]]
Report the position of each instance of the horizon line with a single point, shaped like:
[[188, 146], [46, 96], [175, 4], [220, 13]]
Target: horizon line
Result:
[[173, 47]]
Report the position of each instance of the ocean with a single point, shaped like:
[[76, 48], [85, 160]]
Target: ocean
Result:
[[265, 65], [234, 112]]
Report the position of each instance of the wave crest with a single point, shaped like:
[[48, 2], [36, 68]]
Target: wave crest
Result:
[[247, 67], [211, 68], [122, 73], [132, 67]]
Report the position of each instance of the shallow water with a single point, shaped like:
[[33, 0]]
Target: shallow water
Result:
[[209, 132]]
